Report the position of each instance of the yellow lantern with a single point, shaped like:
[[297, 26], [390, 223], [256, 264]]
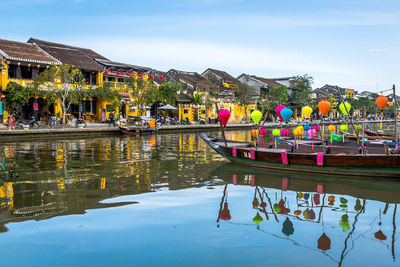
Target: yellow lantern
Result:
[[306, 111]]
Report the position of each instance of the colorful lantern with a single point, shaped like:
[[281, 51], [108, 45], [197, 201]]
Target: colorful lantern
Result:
[[128, 74], [286, 114], [316, 127], [306, 111], [106, 72], [254, 133], [225, 213], [307, 127], [358, 128], [311, 133], [324, 107], [151, 76], [331, 127], [297, 133], [324, 243], [343, 108], [262, 132], [343, 127], [258, 218], [256, 116], [224, 116], [161, 77], [381, 101], [278, 111], [140, 75], [118, 73], [285, 132], [276, 133]]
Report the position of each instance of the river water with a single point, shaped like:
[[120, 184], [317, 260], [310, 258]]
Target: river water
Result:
[[170, 200]]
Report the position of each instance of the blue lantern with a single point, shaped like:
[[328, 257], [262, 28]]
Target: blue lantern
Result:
[[307, 127], [286, 114]]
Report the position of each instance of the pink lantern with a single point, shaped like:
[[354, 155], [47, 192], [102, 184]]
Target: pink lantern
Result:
[[316, 127], [311, 133], [262, 131], [278, 111], [285, 132], [224, 115]]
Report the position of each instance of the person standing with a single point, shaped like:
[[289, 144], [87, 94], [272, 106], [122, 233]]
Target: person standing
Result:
[[111, 117], [10, 121]]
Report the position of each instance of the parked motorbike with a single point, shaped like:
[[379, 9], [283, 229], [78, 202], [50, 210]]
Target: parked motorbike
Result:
[[32, 122], [80, 121], [202, 121]]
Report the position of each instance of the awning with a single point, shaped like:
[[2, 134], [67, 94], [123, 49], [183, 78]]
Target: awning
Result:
[[168, 107]]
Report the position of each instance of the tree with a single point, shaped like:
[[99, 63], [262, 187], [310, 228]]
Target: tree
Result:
[[243, 96], [63, 82], [276, 96], [197, 99], [144, 92], [168, 92], [302, 91], [16, 96]]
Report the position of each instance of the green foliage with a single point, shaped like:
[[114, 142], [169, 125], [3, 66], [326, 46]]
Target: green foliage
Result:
[[276, 96], [302, 91], [168, 92], [244, 96], [197, 99], [17, 95], [144, 92]]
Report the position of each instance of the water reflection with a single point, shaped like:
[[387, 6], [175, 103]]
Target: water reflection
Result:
[[330, 215], [285, 218]]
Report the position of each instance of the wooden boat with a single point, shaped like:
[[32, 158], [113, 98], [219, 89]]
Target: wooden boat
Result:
[[336, 162], [134, 130]]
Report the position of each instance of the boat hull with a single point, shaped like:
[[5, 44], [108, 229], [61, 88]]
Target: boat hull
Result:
[[376, 165]]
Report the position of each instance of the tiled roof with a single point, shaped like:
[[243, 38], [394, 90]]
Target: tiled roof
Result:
[[192, 77], [92, 54], [25, 52], [81, 58], [121, 66], [224, 75], [268, 82]]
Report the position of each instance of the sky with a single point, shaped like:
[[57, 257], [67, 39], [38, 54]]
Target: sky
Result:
[[350, 43]]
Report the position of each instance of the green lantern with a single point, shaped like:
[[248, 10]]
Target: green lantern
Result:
[[276, 133], [256, 116], [358, 206], [343, 108], [358, 128], [343, 127], [277, 208], [344, 223], [258, 218]]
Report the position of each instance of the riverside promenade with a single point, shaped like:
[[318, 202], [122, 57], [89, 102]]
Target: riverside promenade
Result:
[[103, 128]]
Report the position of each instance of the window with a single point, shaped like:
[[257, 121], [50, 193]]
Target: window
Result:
[[185, 111]]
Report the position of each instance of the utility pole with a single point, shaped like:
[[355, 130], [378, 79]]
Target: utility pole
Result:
[[395, 116]]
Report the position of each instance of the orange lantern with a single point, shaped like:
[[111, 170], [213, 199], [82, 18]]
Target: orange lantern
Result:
[[324, 107], [381, 101]]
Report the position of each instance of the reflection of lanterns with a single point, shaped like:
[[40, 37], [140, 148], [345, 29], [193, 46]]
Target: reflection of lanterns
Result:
[[380, 235], [305, 213], [258, 218], [225, 213], [263, 205], [284, 210], [344, 223], [331, 198], [300, 195], [277, 208], [255, 202], [358, 206], [324, 243], [311, 214], [287, 228], [316, 199], [297, 212]]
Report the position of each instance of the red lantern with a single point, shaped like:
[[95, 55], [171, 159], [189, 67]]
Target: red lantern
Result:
[[118, 73], [161, 77], [106, 72], [151, 76], [140, 75], [128, 74]]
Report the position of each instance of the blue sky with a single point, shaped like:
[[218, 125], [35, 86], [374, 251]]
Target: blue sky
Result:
[[351, 43]]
